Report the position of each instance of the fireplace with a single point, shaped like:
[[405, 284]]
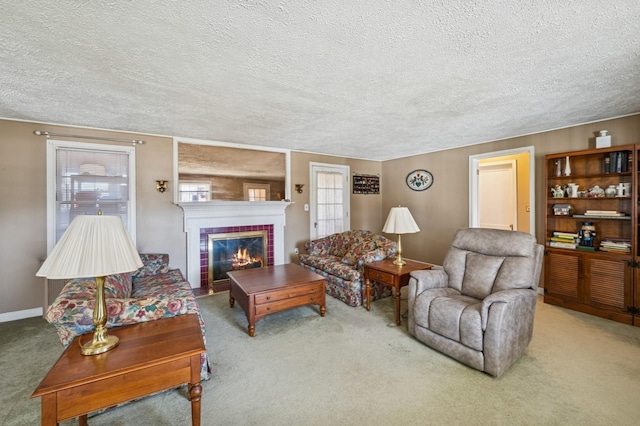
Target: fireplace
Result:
[[222, 217], [228, 248], [233, 251]]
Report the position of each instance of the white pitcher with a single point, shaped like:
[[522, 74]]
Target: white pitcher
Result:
[[572, 190]]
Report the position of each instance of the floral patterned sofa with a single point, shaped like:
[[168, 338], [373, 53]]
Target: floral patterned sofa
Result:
[[341, 257], [152, 292]]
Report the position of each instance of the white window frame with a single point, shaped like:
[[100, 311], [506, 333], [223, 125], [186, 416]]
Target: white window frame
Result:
[[196, 182], [247, 186], [52, 146]]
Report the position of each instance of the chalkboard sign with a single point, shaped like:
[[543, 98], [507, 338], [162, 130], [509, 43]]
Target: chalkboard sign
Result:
[[366, 184]]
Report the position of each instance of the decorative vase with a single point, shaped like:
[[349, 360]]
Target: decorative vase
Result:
[[572, 190], [567, 167], [558, 167], [611, 191]]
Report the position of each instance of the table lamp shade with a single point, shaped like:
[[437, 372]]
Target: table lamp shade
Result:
[[92, 246], [400, 221]]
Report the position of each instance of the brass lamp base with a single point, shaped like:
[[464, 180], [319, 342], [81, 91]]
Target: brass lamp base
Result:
[[101, 341], [399, 261], [95, 347]]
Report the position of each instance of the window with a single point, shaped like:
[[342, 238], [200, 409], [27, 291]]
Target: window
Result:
[[192, 191], [87, 179], [256, 191]]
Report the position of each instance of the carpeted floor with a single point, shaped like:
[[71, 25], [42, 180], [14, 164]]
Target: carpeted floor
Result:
[[354, 368]]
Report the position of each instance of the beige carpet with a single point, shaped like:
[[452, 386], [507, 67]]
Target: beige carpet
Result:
[[354, 368]]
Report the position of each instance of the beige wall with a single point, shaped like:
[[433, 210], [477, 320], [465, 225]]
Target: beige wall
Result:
[[439, 210], [443, 208], [23, 211], [365, 209]]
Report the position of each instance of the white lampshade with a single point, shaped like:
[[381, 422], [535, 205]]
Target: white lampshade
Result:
[[400, 221], [92, 246]]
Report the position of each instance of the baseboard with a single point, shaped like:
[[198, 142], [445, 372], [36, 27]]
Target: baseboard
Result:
[[18, 315], [540, 291]]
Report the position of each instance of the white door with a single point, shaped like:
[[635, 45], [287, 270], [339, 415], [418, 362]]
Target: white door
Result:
[[497, 195], [329, 199]]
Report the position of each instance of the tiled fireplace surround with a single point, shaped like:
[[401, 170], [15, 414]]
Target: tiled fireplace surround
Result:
[[204, 245], [201, 219]]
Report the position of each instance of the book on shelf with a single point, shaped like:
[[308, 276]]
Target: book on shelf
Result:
[[565, 234], [559, 244], [586, 248], [616, 245], [563, 239], [619, 161], [612, 250], [604, 213], [602, 216]]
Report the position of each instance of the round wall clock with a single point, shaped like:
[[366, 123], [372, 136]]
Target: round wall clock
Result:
[[419, 180]]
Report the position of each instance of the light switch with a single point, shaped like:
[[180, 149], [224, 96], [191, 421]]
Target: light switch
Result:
[[306, 207]]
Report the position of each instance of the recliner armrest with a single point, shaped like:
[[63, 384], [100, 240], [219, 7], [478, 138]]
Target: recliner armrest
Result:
[[429, 278], [513, 295]]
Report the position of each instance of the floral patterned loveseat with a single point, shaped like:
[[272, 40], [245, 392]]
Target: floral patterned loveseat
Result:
[[152, 292], [341, 257]]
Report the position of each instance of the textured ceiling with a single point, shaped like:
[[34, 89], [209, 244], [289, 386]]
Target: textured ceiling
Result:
[[374, 79]]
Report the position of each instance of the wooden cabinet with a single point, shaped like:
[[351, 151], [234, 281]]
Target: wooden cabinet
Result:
[[592, 255]]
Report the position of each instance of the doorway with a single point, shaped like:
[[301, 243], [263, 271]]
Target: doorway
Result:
[[498, 195], [492, 184], [329, 199]]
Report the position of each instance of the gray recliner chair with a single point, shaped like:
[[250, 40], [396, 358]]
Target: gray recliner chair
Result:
[[479, 307]]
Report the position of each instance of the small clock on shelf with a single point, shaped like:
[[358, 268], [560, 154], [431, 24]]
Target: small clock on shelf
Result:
[[419, 180]]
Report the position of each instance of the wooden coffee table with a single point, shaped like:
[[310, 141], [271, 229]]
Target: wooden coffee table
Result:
[[152, 356], [385, 272], [264, 291]]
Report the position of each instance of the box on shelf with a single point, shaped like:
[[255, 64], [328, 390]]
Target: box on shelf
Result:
[[562, 209]]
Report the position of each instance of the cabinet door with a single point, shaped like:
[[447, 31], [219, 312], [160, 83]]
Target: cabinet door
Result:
[[563, 276], [608, 283]]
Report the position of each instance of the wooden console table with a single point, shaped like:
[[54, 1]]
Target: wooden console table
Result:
[[152, 356], [385, 272]]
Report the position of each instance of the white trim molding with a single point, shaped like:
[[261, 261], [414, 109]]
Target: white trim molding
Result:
[[18, 315], [215, 214]]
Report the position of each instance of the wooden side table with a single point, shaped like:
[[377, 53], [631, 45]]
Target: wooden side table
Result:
[[151, 356], [385, 272]]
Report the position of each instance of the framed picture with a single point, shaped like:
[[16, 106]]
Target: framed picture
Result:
[[419, 180], [366, 184]]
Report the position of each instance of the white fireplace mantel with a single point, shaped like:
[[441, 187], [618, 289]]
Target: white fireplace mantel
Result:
[[213, 214]]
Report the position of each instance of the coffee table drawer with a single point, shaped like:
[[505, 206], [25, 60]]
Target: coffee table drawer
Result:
[[274, 296], [281, 305]]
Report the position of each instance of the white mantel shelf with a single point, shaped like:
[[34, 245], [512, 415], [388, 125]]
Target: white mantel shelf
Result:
[[214, 214]]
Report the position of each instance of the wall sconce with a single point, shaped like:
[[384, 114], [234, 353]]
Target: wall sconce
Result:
[[161, 185], [299, 187]]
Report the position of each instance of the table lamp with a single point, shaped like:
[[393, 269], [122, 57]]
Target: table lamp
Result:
[[400, 222], [93, 246]]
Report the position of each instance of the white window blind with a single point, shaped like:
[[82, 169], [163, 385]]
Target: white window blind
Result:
[[90, 178]]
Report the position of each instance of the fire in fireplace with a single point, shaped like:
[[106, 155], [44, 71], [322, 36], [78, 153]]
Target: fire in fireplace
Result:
[[235, 250]]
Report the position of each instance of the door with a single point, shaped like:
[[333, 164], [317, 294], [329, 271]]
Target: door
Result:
[[329, 199], [497, 195], [525, 183]]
